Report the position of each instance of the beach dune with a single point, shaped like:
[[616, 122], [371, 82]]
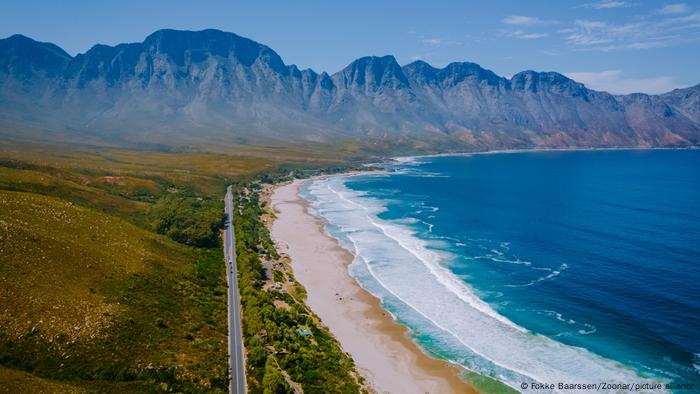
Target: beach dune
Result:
[[384, 355]]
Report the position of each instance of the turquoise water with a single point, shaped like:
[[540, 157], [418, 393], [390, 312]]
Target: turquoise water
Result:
[[573, 267]]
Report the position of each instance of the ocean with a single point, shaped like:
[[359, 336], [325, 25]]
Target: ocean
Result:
[[571, 267]]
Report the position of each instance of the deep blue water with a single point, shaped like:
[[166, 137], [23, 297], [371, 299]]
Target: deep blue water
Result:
[[597, 250]]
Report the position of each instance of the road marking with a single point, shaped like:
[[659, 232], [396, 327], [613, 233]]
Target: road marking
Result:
[[235, 343]]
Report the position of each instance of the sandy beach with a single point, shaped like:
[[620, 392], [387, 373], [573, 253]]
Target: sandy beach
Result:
[[384, 355]]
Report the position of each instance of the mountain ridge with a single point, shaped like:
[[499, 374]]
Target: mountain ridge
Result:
[[210, 85]]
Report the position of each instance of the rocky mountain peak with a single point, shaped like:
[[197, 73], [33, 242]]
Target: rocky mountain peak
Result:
[[198, 46], [23, 56], [533, 82], [373, 72]]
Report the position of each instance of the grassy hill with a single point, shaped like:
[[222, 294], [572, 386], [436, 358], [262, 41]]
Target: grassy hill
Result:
[[111, 272], [93, 299]]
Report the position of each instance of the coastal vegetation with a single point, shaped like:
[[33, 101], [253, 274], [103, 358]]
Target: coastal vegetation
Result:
[[285, 342], [112, 276], [188, 219]]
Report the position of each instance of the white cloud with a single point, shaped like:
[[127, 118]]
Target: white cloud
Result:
[[551, 53], [588, 33], [644, 33], [431, 41], [586, 24], [525, 22], [523, 35], [532, 36], [679, 8], [520, 20], [606, 4], [439, 41], [613, 81]]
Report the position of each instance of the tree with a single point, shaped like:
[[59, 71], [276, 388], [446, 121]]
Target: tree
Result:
[[188, 220], [273, 381]]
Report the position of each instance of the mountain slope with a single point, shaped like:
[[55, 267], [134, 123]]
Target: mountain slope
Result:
[[185, 87]]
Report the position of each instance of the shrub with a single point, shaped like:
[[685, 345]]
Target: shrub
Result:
[[189, 220]]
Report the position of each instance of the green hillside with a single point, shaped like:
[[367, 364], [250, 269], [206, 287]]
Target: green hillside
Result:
[[111, 270], [89, 297]]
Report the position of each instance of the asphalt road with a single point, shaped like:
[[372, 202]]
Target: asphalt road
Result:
[[235, 339]]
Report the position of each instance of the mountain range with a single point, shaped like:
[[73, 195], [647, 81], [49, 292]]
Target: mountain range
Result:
[[187, 87]]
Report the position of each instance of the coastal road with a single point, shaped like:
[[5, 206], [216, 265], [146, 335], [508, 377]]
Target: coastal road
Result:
[[235, 339]]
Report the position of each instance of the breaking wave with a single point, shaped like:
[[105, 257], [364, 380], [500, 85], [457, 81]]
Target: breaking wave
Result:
[[410, 276]]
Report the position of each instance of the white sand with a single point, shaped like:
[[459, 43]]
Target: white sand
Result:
[[384, 355]]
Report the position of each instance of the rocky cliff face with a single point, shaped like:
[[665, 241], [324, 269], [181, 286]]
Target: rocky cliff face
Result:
[[190, 86]]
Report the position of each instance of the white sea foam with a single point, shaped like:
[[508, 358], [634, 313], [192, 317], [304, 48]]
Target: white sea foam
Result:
[[559, 316], [408, 160], [429, 225], [590, 329], [408, 220], [552, 274], [412, 272], [585, 328], [508, 261], [696, 362]]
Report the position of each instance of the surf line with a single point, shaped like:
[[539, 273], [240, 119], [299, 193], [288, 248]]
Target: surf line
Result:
[[431, 269]]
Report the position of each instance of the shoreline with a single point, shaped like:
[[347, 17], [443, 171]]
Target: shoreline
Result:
[[537, 150], [384, 354]]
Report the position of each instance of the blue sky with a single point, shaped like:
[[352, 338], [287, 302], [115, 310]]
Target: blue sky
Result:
[[615, 45]]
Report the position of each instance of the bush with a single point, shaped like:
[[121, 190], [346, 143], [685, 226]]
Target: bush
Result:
[[318, 364], [189, 220], [273, 381]]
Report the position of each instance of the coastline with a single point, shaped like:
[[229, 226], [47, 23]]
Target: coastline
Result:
[[539, 150], [384, 354]]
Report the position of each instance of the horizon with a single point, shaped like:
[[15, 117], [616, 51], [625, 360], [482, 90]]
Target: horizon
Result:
[[615, 46]]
